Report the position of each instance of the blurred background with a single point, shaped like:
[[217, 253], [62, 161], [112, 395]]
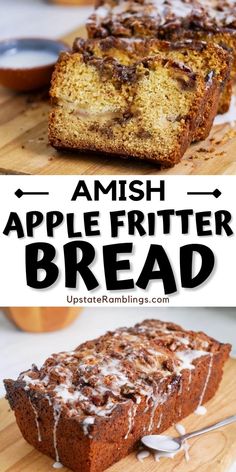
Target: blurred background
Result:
[[51, 18], [72, 326]]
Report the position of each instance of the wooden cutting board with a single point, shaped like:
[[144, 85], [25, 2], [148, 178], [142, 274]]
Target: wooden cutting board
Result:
[[214, 452], [24, 148]]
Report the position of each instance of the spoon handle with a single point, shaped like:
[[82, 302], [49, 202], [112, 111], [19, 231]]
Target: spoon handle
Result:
[[229, 420]]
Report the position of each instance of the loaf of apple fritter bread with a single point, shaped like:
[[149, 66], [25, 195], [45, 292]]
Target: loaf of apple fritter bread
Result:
[[88, 408]]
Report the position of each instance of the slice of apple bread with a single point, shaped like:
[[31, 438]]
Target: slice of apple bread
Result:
[[147, 108]]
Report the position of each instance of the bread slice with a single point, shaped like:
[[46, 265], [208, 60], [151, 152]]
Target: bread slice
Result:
[[210, 60], [147, 108]]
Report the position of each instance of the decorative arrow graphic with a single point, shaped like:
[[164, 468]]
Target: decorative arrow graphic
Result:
[[215, 194], [19, 193]]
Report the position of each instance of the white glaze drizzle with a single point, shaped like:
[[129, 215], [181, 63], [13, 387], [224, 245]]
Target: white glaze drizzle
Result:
[[180, 387], [160, 421], [189, 380], [187, 357], [200, 410], [180, 410], [89, 420], [186, 448], [147, 402], [57, 465], [184, 341], [207, 379], [131, 419], [159, 455], [36, 420], [180, 429], [141, 455], [156, 402], [56, 416], [179, 393]]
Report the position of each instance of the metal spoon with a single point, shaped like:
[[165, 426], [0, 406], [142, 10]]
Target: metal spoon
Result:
[[168, 444]]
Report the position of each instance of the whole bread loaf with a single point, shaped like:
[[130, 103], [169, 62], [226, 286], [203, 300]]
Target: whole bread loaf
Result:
[[89, 407]]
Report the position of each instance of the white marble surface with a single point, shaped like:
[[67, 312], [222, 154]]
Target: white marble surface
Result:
[[23, 18], [19, 349]]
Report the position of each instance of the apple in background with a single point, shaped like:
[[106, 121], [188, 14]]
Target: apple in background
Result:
[[42, 319]]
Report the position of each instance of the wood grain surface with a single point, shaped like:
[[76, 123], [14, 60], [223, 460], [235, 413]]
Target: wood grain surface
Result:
[[24, 145], [214, 452]]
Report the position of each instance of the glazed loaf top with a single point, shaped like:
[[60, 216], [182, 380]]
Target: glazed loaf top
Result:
[[160, 18], [143, 363]]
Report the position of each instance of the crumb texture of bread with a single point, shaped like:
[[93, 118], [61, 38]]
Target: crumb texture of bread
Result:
[[208, 59], [89, 407], [146, 109]]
